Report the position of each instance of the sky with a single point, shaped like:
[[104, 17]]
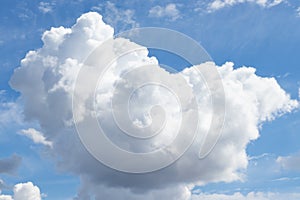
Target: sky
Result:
[[253, 44]]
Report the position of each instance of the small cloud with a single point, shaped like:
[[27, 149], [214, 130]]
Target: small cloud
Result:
[[169, 11], [23, 191], [298, 11], [45, 7], [5, 197], [275, 3], [36, 136], [219, 4], [290, 163], [287, 179], [264, 155]]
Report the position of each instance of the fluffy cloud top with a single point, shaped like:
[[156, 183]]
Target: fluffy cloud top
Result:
[[46, 81], [24, 191], [45, 7]]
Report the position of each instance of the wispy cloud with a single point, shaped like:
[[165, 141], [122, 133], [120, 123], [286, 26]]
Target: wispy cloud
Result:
[[249, 196], [120, 19], [170, 11], [219, 4], [46, 7], [36, 136], [298, 11], [291, 162]]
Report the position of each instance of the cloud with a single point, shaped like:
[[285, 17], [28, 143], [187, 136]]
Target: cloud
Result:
[[46, 79], [291, 162], [23, 191], [36, 136], [219, 4], [5, 197], [10, 165], [298, 11], [45, 7], [118, 18], [10, 113], [2, 184], [169, 11], [26, 191], [249, 196]]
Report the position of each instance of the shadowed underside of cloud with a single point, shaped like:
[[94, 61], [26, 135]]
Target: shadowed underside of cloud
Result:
[[10, 165], [46, 80]]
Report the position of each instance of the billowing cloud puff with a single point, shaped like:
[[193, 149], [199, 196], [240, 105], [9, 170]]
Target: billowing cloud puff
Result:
[[26, 191], [46, 80], [23, 191]]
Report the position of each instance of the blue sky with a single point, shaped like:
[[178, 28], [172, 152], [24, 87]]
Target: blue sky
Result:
[[248, 34]]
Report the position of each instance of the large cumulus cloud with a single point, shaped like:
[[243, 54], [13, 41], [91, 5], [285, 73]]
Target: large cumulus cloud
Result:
[[46, 79]]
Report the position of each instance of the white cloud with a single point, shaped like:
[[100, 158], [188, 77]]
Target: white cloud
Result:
[[46, 80], [219, 4], [5, 197], [298, 11], [169, 11], [118, 18], [45, 7], [26, 191], [291, 162], [249, 196], [36, 136], [23, 191]]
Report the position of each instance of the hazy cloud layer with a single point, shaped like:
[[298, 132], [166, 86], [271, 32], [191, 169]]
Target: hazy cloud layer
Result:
[[46, 80], [170, 11], [249, 196], [10, 165]]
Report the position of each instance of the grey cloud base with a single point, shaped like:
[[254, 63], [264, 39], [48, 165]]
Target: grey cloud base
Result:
[[46, 79], [10, 165]]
